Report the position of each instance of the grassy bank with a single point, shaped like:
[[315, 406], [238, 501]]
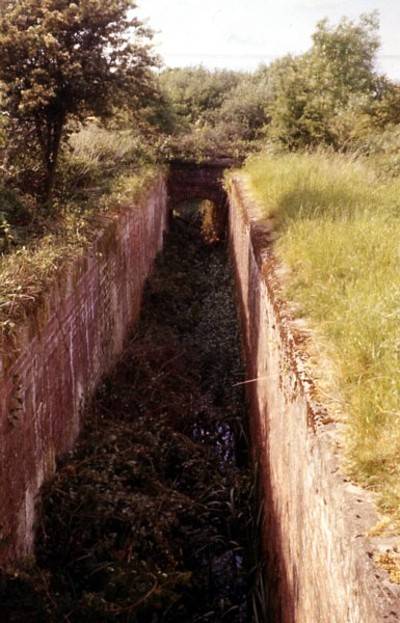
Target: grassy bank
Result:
[[103, 170], [339, 232]]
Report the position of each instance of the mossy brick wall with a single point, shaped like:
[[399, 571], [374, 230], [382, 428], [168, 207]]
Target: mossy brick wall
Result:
[[60, 354], [318, 555]]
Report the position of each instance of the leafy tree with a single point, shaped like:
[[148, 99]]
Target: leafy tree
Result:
[[196, 94], [343, 57], [63, 60], [327, 94], [214, 113], [244, 110], [291, 123]]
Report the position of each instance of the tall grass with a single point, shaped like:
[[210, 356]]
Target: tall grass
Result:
[[97, 155], [26, 273], [102, 170], [339, 236]]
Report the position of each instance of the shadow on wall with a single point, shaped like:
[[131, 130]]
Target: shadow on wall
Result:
[[274, 588]]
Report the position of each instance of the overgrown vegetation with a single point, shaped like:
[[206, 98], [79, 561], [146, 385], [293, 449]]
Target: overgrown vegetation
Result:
[[214, 114], [339, 228], [62, 61], [152, 517], [103, 172], [332, 96], [61, 64]]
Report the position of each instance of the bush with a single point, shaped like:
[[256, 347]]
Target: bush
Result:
[[382, 148]]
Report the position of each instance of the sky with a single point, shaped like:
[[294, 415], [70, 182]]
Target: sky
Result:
[[241, 34]]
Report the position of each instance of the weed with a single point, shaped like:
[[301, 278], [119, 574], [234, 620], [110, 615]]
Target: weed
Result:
[[150, 518]]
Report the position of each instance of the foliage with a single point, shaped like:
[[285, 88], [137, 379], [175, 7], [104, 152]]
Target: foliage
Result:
[[97, 155], [339, 226], [331, 94], [382, 147], [99, 165], [240, 121], [200, 144], [344, 56], [214, 114], [101, 169], [244, 110], [62, 60], [15, 219], [195, 94]]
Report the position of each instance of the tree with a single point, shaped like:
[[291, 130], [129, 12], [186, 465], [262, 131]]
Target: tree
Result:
[[196, 93], [343, 57], [244, 110], [214, 113], [315, 95], [63, 60]]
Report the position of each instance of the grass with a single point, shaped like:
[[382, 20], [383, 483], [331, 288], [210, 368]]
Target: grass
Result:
[[339, 233], [98, 154], [103, 170]]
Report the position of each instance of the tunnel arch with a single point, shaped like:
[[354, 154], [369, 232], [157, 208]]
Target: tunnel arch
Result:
[[193, 181]]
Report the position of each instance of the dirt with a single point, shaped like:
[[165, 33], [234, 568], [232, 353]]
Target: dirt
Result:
[[151, 518]]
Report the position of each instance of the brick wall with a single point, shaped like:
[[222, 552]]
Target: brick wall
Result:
[[61, 353]]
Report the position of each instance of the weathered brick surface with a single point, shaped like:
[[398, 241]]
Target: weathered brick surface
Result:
[[61, 354], [318, 557], [189, 180]]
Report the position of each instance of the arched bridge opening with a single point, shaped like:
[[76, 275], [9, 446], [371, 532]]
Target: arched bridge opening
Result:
[[189, 181]]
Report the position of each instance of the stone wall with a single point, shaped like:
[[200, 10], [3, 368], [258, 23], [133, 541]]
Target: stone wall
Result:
[[61, 353], [319, 559]]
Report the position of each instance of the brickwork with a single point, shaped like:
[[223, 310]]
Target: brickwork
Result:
[[189, 181], [60, 355]]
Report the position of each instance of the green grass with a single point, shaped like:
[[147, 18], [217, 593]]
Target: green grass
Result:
[[339, 236], [96, 156], [27, 271], [99, 171]]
